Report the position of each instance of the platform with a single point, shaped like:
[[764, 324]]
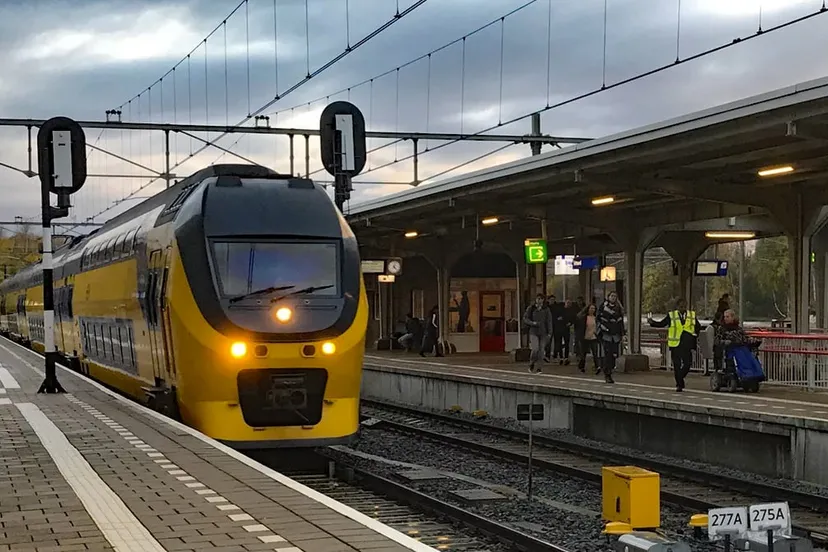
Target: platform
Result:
[[779, 432], [91, 470]]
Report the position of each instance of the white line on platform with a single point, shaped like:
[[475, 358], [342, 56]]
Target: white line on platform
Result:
[[118, 524], [417, 364], [7, 380], [351, 513]]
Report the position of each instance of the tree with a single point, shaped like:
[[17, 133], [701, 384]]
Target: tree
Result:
[[661, 288]]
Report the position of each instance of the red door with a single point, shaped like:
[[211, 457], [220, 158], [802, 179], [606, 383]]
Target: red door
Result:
[[492, 322]]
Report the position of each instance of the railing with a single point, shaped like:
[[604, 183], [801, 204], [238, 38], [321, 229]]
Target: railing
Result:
[[788, 359]]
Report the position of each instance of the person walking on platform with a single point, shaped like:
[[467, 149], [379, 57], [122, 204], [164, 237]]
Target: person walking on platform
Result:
[[560, 331], [585, 328], [432, 334], [539, 320], [683, 330], [611, 331]]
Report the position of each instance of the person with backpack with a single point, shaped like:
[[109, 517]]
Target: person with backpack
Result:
[[539, 321]]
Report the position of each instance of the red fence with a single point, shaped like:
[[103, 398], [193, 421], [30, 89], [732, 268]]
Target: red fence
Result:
[[788, 359]]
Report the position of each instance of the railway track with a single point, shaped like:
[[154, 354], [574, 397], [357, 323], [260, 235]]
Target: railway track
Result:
[[680, 485], [433, 522]]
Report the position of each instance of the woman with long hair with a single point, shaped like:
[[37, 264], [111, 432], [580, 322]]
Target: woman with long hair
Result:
[[585, 328]]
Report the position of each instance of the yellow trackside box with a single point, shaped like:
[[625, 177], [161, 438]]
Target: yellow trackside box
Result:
[[631, 495]]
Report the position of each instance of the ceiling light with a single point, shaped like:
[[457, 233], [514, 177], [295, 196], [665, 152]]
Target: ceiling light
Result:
[[490, 220], [411, 234], [603, 200], [776, 171], [724, 235]]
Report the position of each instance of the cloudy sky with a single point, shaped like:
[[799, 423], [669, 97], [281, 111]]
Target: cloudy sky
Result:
[[81, 57]]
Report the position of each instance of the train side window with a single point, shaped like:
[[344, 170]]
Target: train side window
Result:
[[133, 242], [98, 340], [69, 312], [107, 251], [121, 345], [118, 246], [107, 342], [131, 349]]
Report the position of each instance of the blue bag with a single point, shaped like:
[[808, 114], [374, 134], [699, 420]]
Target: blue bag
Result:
[[748, 366]]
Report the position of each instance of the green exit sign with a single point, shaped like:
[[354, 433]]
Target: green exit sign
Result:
[[535, 251]]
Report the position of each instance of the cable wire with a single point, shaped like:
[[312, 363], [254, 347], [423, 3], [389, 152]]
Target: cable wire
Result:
[[191, 52]]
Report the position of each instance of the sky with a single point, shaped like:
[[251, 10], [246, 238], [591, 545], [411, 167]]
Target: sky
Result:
[[83, 57]]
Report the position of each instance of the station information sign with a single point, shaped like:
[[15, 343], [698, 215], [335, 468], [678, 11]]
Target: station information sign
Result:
[[535, 251]]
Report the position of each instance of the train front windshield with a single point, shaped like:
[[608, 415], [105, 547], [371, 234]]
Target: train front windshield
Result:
[[244, 267]]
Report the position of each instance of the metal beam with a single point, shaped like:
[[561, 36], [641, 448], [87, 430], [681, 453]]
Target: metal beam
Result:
[[37, 222], [116, 125]]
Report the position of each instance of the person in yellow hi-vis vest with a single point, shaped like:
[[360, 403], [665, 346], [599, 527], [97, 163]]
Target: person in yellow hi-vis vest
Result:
[[683, 330]]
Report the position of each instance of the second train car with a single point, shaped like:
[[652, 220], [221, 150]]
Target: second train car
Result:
[[233, 301]]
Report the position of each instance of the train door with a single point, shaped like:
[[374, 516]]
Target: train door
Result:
[[156, 355], [492, 322], [164, 312]]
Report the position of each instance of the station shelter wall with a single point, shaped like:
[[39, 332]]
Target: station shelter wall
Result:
[[483, 303], [414, 291]]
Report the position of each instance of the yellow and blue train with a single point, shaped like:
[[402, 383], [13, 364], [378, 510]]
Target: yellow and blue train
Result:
[[233, 301]]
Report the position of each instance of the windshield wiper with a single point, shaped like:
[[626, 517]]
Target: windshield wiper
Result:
[[310, 289], [260, 292]]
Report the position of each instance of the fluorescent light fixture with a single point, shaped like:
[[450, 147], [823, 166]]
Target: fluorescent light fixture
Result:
[[603, 200], [774, 171], [725, 235], [490, 220], [411, 234]]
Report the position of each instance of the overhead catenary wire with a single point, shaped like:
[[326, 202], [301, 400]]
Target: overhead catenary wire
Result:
[[397, 17], [427, 56], [620, 83], [327, 65], [191, 52]]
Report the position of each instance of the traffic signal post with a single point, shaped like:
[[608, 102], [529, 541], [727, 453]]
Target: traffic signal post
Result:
[[61, 161], [342, 146]]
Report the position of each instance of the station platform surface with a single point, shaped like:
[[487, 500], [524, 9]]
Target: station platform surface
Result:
[[91, 470], [658, 385]]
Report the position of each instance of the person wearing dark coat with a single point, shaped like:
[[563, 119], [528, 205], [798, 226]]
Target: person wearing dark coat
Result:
[[611, 330], [432, 334], [560, 331], [539, 321]]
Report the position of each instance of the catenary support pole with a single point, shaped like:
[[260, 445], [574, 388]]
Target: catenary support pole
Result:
[[50, 383], [61, 158]]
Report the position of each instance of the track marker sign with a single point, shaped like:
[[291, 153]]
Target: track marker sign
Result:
[[773, 516], [727, 522]]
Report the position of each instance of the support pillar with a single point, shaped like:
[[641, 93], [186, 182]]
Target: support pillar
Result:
[[443, 293], [540, 269], [819, 247], [585, 283], [634, 241], [802, 215]]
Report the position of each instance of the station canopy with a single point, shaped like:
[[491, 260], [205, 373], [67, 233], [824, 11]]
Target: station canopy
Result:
[[690, 173]]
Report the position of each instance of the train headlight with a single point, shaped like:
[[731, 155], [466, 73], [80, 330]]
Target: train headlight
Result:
[[283, 314], [238, 349], [328, 348]]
